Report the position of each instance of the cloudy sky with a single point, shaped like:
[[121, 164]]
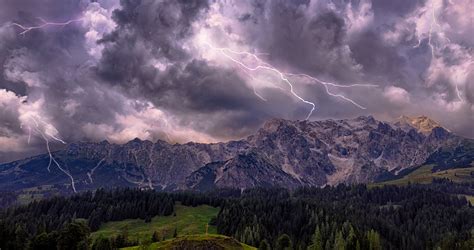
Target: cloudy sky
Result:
[[181, 70]]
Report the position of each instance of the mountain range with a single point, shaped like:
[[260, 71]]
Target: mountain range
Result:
[[281, 153]]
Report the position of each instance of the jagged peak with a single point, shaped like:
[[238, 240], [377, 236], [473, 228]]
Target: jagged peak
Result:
[[136, 139], [366, 118], [274, 124], [423, 123]]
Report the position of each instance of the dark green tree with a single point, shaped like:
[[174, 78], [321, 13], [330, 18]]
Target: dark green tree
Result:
[[351, 241], [284, 242], [339, 242], [264, 245], [248, 237], [75, 235], [374, 240], [44, 241], [20, 237], [102, 243], [317, 240]]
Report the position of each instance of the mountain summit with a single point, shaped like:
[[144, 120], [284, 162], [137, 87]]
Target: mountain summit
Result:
[[281, 153], [423, 124]]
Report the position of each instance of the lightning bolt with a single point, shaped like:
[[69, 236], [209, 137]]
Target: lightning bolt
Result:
[[91, 173], [434, 23], [253, 86], [327, 84], [43, 25], [262, 65], [458, 92], [36, 122], [47, 136]]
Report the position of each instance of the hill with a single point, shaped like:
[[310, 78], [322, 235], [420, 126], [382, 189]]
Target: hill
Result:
[[198, 242], [186, 220]]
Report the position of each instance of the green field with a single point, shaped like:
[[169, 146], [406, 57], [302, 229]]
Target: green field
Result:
[[423, 175], [188, 220], [200, 241]]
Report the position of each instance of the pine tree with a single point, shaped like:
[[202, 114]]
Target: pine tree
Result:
[[248, 236], [74, 236], [284, 242], [264, 245], [351, 238], [374, 240], [102, 243], [339, 243], [21, 237], [317, 240], [44, 241]]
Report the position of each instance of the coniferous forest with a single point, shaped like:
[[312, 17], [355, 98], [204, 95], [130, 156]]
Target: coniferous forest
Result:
[[342, 217]]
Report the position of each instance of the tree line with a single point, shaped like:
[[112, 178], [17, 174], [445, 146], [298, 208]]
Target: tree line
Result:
[[341, 217], [350, 217]]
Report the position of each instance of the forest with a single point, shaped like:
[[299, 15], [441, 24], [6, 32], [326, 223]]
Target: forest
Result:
[[341, 217]]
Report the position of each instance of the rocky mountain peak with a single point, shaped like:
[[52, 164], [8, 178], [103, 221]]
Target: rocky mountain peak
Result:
[[422, 124], [368, 119], [274, 124]]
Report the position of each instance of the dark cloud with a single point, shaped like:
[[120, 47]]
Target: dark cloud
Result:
[[160, 25], [30, 11], [48, 71], [100, 77], [306, 42], [377, 58], [399, 8], [151, 32]]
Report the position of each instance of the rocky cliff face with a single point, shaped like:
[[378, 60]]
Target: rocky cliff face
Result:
[[282, 153]]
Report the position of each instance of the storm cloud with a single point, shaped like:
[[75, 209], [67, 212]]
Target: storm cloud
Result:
[[156, 69]]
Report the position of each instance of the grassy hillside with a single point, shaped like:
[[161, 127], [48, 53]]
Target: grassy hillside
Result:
[[424, 175], [202, 241], [188, 220]]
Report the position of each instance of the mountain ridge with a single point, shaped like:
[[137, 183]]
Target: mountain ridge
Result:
[[281, 153]]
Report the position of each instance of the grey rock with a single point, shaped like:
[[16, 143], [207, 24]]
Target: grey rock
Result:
[[281, 153]]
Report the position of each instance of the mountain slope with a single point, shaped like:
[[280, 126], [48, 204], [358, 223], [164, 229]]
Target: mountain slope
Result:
[[284, 153]]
